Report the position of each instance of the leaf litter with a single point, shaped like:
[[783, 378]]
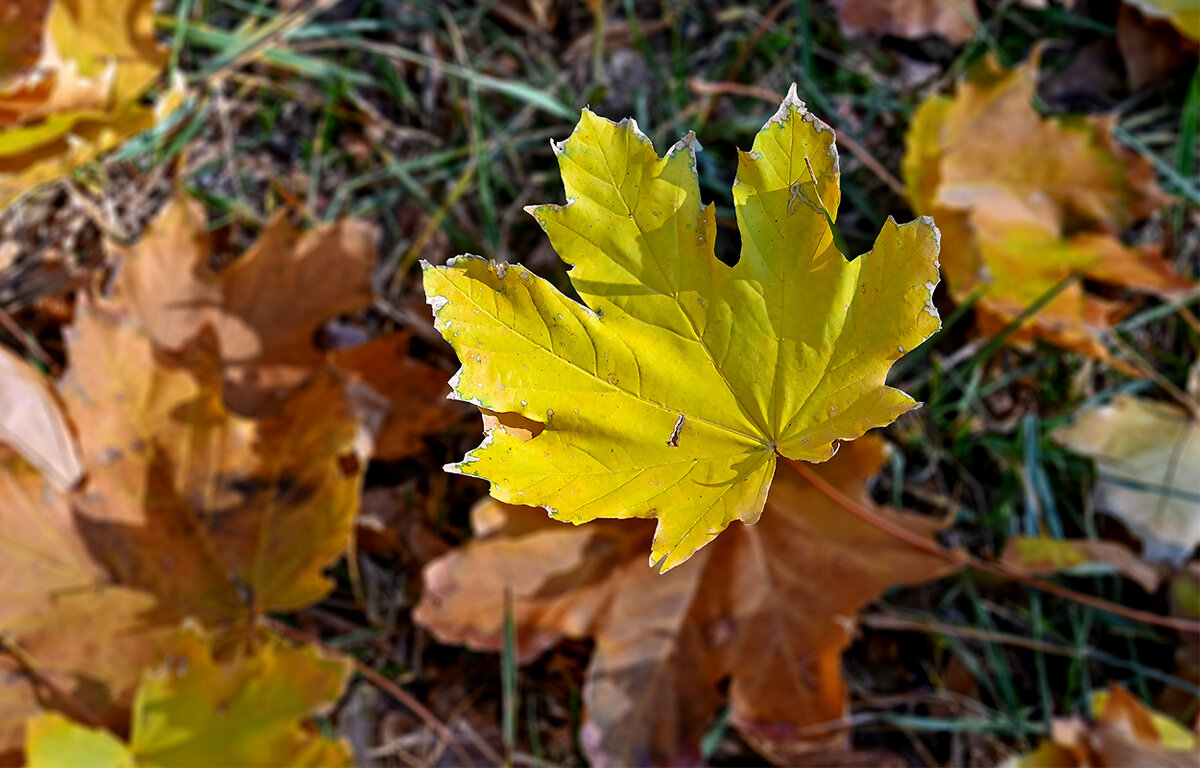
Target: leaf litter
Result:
[[255, 400], [159, 503]]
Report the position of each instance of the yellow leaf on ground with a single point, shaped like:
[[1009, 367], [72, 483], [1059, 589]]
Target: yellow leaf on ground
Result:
[[225, 517], [54, 741], [1038, 554], [672, 389], [1025, 201], [1183, 14], [197, 710], [71, 73], [1146, 456], [768, 607], [264, 307]]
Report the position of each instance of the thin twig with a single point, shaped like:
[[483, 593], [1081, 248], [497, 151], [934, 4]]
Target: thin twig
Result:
[[996, 569], [82, 712], [28, 340], [383, 683]]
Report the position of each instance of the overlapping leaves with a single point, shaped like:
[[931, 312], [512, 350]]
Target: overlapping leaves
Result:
[[672, 389], [197, 710], [767, 608], [1024, 202], [71, 74], [185, 508]]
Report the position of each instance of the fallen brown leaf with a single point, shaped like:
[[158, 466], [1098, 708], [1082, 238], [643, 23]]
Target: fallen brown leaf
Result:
[[222, 517], [955, 20], [82, 635], [769, 608], [1182, 14], [415, 390], [264, 308], [1153, 47]]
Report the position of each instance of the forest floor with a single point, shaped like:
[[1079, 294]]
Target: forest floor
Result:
[[434, 121]]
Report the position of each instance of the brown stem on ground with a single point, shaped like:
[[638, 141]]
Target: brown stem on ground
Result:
[[80, 711], [996, 569], [386, 685]]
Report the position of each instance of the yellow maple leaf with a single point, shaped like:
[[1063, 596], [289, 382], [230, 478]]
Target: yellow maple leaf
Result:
[[671, 391], [71, 74]]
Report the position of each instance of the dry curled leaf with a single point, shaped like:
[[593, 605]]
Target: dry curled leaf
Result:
[[671, 391], [768, 608], [1025, 201]]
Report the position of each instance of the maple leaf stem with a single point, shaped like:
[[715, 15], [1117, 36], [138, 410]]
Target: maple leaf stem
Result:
[[957, 556], [869, 517], [401, 695]]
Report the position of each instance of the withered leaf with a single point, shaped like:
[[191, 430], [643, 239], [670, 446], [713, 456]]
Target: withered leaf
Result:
[[416, 392], [1024, 201], [225, 517], [87, 637], [264, 307], [955, 20], [770, 607]]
